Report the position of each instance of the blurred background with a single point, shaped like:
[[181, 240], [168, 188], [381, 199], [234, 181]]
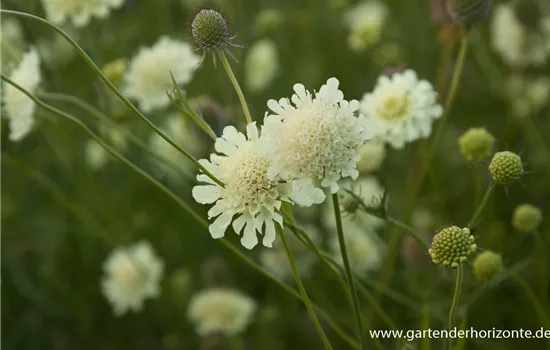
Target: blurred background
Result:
[[66, 204]]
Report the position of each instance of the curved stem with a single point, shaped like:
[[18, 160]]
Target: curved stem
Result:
[[187, 209], [456, 298], [481, 205], [347, 268], [113, 88], [303, 292], [236, 85]]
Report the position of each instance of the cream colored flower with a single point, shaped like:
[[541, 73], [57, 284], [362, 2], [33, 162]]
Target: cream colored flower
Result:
[[242, 166], [147, 78], [528, 96], [79, 12], [262, 65], [366, 21], [372, 155], [221, 310], [18, 106], [132, 274]]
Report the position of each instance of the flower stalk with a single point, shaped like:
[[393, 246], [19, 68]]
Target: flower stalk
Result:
[[236, 85]]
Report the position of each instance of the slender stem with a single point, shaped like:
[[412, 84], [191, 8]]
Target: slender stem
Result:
[[303, 292], [187, 209], [236, 85], [539, 308], [113, 88], [456, 298], [481, 205], [347, 268]]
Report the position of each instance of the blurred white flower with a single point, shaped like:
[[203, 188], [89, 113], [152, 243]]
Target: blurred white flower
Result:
[[147, 78], [402, 107], [365, 20], [13, 42], [315, 136], [528, 96], [20, 108], [517, 44], [79, 12], [365, 249], [276, 261], [221, 310], [248, 192], [372, 155], [96, 156], [262, 65], [132, 274]]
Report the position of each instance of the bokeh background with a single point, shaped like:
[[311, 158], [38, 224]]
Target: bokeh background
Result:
[[62, 213]]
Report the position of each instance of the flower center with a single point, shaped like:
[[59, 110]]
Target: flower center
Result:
[[393, 106], [128, 274]]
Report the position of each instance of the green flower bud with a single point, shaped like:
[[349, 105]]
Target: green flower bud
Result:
[[506, 168], [452, 246], [469, 11], [487, 265], [210, 29], [526, 218], [476, 144]]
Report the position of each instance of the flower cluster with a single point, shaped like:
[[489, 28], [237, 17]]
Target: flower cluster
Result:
[[79, 12], [452, 246]]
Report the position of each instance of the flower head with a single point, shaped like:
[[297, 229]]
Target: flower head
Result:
[[402, 107], [365, 21], [506, 168], [262, 65], [452, 246], [148, 75], [315, 136], [372, 155], [487, 265], [476, 144], [132, 274], [526, 218], [19, 107], [242, 166], [79, 12], [221, 310]]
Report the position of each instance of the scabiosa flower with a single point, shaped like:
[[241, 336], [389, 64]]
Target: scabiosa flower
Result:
[[79, 12], [148, 75], [242, 165], [316, 136], [487, 265], [476, 144], [132, 274], [452, 246], [402, 108], [18, 106], [372, 155], [366, 20], [221, 310], [506, 168], [517, 44], [526, 218], [262, 65]]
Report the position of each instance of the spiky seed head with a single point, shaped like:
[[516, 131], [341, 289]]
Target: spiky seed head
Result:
[[210, 29], [468, 12], [526, 218], [487, 265], [506, 167], [452, 246], [476, 144]]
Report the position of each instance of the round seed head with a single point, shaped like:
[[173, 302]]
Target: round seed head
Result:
[[469, 11], [506, 168], [526, 218], [452, 246], [210, 29], [487, 265], [476, 144]]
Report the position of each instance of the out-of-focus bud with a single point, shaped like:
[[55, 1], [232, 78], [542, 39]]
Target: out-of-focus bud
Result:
[[487, 265], [467, 12], [526, 218]]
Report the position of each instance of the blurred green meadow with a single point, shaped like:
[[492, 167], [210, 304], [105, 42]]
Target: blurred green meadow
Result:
[[66, 204]]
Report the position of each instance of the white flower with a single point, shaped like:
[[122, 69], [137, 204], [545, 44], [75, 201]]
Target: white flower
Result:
[[518, 45], [96, 156], [148, 76], [132, 274], [180, 132], [528, 96], [262, 65], [276, 260], [80, 12], [221, 310], [365, 250], [13, 42], [365, 21], [402, 107], [372, 155], [248, 192], [20, 108], [315, 137]]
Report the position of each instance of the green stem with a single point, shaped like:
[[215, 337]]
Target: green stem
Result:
[[186, 208], [303, 292], [236, 85], [537, 305], [481, 205], [113, 88], [410, 231], [347, 268], [456, 298]]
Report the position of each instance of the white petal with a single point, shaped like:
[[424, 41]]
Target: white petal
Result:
[[239, 223], [275, 107], [206, 194], [249, 239], [218, 227], [269, 235], [252, 131]]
